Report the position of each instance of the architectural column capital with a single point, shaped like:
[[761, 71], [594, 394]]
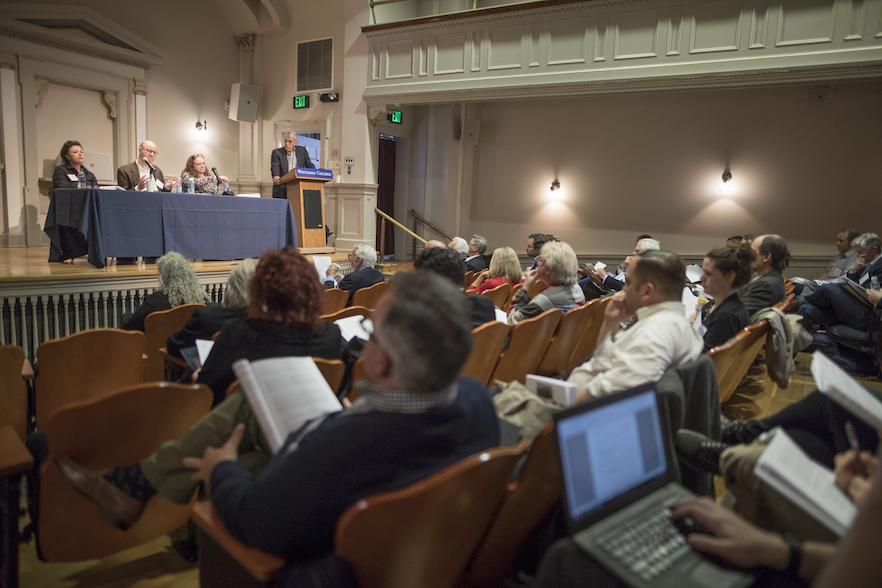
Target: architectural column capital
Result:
[[246, 41], [140, 88]]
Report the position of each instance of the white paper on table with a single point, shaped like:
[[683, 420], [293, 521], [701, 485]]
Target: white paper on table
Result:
[[351, 327], [322, 263], [836, 383], [203, 348], [599, 265], [111, 188], [501, 316], [693, 273]]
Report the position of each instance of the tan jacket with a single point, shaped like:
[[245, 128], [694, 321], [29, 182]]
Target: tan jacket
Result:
[[128, 176]]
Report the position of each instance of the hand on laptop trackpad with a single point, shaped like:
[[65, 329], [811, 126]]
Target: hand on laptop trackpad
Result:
[[708, 574], [688, 525]]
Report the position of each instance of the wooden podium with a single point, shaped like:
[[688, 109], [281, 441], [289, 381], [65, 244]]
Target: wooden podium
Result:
[[307, 197]]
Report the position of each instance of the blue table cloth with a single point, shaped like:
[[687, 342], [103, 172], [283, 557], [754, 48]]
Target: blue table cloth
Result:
[[113, 223]]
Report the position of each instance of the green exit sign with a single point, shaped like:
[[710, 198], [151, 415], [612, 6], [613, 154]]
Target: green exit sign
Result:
[[301, 101], [394, 117]]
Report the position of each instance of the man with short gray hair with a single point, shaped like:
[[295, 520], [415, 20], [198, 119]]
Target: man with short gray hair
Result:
[[475, 259], [284, 159], [833, 304], [617, 282], [362, 259], [459, 245]]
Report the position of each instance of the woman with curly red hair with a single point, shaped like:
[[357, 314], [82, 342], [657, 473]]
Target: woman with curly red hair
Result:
[[281, 319]]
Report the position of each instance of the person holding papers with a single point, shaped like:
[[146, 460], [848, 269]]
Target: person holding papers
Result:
[[724, 270], [284, 159], [416, 418], [362, 259], [282, 318]]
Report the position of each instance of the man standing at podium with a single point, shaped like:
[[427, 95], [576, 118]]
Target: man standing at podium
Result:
[[286, 158]]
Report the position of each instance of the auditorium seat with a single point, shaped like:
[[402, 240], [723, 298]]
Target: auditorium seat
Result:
[[369, 296], [468, 279], [13, 390], [158, 327], [588, 345], [335, 300], [733, 358], [559, 356], [526, 346], [85, 366], [487, 342], [498, 295], [116, 430], [346, 312]]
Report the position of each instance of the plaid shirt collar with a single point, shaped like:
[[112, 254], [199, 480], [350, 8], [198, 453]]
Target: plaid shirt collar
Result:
[[380, 399]]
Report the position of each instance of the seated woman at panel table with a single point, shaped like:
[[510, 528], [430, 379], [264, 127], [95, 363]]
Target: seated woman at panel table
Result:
[[65, 175], [724, 270], [205, 181], [281, 319], [178, 285], [504, 269]]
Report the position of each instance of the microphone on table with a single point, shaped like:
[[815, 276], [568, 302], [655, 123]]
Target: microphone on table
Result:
[[226, 192]]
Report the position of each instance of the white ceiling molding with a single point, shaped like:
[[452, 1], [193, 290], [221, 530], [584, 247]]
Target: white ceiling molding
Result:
[[260, 16], [46, 23]]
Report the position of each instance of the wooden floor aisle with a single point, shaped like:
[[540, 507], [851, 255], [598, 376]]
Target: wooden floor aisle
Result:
[[157, 565]]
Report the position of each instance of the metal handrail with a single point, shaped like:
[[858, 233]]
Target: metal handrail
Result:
[[429, 224], [385, 216]]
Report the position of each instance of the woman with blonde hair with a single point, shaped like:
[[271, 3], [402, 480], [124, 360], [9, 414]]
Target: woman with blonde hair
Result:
[[178, 285], [204, 180], [504, 269]]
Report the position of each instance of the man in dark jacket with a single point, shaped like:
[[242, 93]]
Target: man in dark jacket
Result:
[[363, 258], [767, 289], [284, 159]]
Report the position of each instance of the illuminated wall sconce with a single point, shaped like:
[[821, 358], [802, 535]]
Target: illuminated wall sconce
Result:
[[202, 128], [555, 189], [726, 187]]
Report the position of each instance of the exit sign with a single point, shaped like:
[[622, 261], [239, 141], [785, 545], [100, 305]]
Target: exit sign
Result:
[[301, 101], [394, 117]]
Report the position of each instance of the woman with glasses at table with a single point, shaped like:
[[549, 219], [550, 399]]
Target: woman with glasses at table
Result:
[[205, 182], [65, 175], [281, 319], [558, 267]]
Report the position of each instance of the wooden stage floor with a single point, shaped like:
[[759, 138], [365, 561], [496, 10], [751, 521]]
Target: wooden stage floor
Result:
[[30, 264]]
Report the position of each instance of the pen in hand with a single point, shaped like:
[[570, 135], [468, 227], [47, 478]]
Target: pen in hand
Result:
[[856, 447]]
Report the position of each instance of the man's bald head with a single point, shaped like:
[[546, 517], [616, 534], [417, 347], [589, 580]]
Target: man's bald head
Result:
[[435, 243]]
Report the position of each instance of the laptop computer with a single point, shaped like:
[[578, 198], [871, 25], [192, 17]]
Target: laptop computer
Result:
[[620, 476]]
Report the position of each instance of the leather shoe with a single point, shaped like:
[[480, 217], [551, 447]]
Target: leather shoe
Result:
[[120, 509], [698, 451]]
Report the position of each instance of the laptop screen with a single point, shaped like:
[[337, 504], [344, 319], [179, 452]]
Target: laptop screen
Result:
[[610, 448]]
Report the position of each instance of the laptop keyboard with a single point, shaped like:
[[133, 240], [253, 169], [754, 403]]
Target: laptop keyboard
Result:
[[648, 544]]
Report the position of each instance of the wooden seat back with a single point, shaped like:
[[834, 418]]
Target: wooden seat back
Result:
[[346, 312], [498, 295], [588, 344], [487, 341], [13, 390], [527, 502], [332, 370], [734, 358], [559, 356], [782, 306], [369, 296], [526, 346], [85, 366], [537, 288], [467, 279], [158, 327], [514, 292], [335, 300], [117, 430], [424, 534]]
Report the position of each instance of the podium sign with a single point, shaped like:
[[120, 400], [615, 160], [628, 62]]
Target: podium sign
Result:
[[306, 195]]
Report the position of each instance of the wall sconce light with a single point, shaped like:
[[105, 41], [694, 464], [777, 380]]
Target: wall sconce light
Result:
[[555, 185], [726, 187], [202, 128]]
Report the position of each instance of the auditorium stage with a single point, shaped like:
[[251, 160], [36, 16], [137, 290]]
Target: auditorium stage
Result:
[[30, 264]]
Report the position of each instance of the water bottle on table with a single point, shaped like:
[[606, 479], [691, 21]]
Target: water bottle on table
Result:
[[81, 179], [191, 185]]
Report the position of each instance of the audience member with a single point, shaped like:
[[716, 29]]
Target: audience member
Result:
[[735, 241], [535, 242], [284, 159], [177, 285], [204, 180], [281, 319], [843, 262], [475, 259], [208, 320], [449, 264], [660, 339], [749, 237], [833, 304], [65, 175], [432, 243], [767, 289], [504, 269], [362, 259], [557, 267], [724, 270], [136, 176], [417, 419], [617, 282], [459, 245]]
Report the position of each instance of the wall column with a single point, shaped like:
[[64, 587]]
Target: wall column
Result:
[[140, 91], [247, 131], [14, 222]]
